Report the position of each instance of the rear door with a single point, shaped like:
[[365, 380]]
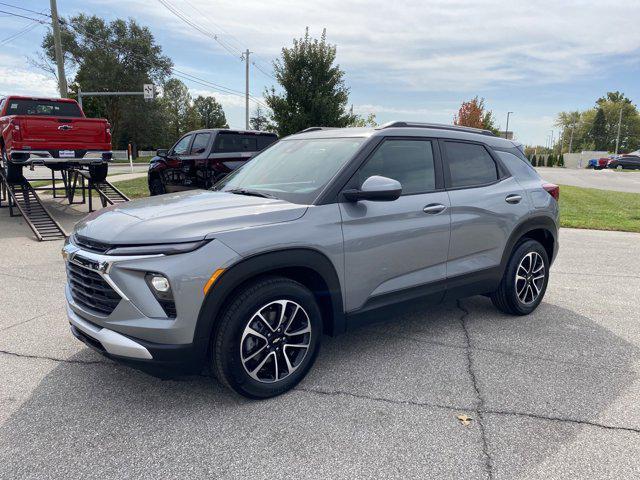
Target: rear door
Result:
[[396, 248], [486, 204]]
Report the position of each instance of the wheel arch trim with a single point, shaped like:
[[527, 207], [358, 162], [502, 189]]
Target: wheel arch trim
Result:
[[262, 264]]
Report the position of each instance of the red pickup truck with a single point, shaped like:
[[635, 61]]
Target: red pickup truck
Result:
[[52, 132]]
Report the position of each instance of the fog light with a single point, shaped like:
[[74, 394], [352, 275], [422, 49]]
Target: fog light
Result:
[[160, 283]]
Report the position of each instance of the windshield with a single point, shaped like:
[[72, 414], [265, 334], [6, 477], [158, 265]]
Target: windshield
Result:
[[293, 170]]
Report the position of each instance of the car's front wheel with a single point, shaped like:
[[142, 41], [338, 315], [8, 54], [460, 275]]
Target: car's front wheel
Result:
[[268, 338], [525, 279]]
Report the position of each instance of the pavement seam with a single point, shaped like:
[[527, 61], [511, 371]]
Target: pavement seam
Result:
[[53, 359], [413, 403], [22, 322], [576, 421], [504, 352], [474, 381]]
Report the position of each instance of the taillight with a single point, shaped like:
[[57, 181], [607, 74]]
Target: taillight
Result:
[[107, 131], [16, 133], [553, 190]]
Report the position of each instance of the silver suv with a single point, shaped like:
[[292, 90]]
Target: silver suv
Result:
[[323, 231]]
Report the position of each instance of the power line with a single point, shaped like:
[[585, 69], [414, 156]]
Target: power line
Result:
[[186, 19], [24, 9], [25, 17], [26, 29]]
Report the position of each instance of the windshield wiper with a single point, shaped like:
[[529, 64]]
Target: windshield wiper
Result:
[[251, 193]]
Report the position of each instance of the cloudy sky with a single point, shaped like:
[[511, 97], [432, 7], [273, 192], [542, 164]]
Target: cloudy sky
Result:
[[409, 60]]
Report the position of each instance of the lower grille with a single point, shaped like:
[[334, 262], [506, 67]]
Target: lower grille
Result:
[[91, 291]]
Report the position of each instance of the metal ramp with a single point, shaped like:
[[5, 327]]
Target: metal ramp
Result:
[[108, 194], [22, 196]]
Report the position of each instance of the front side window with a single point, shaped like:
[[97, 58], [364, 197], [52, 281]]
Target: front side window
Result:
[[182, 146], [200, 143], [408, 161], [469, 164], [294, 170]]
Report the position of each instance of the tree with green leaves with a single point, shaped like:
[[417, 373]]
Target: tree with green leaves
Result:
[[473, 113], [113, 56], [560, 162], [368, 121], [599, 131], [259, 120], [533, 160], [181, 117], [313, 91], [210, 112]]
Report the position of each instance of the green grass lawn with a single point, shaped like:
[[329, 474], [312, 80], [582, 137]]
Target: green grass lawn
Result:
[[599, 209], [135, 188]]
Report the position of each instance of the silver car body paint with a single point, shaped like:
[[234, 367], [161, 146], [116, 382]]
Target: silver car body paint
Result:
[[376, 248]]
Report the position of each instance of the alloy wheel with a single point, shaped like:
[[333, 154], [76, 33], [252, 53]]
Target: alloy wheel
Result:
[[530, 276], [275, 341]]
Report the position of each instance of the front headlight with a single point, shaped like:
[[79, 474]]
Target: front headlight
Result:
[[159, 249]]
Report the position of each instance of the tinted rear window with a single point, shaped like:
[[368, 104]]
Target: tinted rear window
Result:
[[265, 140], [519, 168], [43, 107], [470, 164], [230, 142]]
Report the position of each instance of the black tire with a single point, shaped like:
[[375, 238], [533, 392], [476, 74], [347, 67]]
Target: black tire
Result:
[[99, 172], [227, 340], [13, 172], [506, 298], [156, 187]]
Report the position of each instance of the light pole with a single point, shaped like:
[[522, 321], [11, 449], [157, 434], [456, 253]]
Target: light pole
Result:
[[506, 130]]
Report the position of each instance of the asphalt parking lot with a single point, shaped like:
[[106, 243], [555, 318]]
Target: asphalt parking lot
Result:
[[552, 395], [626, 181]]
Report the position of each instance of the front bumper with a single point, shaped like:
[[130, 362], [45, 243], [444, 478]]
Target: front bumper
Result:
[[138, 329]]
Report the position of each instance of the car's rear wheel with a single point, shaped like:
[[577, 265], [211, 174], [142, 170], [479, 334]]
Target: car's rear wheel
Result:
[[524, 283], [268, 338]]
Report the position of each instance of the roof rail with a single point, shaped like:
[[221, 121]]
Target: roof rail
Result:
[[312, 129], [438, 126]]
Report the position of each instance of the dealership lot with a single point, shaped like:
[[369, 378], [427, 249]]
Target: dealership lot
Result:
[[627, 181], [552, 395]]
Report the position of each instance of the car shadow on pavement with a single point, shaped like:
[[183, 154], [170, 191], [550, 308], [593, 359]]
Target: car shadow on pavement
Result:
[[554, 366]]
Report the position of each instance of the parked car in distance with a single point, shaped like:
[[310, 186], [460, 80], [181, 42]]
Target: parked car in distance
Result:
[[598, 163], [52, 132], [630, 162], [326, 230], [202, 157]]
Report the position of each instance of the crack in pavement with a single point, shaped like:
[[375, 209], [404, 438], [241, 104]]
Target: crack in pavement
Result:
[[335, 393], [562, 419], [53, 359], [507, 353], [474, 381], [22, 322]]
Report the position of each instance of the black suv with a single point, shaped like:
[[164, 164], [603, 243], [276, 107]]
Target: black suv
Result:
[[202, 157]]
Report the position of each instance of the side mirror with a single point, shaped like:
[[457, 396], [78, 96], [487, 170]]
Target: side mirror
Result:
[[375, 188], [199, 151], [162, 152]]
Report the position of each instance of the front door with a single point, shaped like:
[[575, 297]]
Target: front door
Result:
[[393, 247]]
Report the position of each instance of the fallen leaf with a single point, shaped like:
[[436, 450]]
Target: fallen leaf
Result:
[[465, 419]]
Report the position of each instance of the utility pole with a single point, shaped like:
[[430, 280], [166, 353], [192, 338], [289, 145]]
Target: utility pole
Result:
[[506, 130], [619, 124], [246, 94], [55, 24], [571, 138]]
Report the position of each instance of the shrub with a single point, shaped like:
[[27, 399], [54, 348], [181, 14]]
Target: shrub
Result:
[[533, 160], [561, 160]]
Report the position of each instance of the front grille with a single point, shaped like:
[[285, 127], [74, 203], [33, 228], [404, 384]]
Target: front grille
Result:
[[91, 245], [91, 291]]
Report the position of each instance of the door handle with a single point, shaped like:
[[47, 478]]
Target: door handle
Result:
[[513, 198], [434, 208]]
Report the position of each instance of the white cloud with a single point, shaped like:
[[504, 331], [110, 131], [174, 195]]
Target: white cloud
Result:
[[17, 79], [437, 45]]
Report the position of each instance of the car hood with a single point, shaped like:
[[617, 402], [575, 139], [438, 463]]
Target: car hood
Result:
[[182, 217]]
